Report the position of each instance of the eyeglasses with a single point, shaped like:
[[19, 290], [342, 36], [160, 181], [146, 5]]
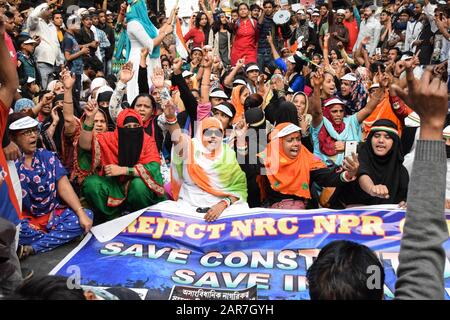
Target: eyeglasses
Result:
[[30, 132], [213, 132]]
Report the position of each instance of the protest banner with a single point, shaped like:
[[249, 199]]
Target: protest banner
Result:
[[269, 249]]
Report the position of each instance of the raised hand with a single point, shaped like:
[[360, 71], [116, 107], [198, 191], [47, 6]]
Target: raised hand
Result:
[[158, 77], [317, 78], [68, 79], [54, 115], [48, 98], [91, 109], [126, 72], [428, 97]]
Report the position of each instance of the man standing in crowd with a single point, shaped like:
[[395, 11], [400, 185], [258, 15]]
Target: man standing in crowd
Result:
[[48, 53], [370, 27]]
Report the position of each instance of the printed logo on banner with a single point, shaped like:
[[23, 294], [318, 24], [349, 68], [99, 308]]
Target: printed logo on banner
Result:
[[195, 293]]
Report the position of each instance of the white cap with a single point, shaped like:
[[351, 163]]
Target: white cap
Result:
[[224, 109], [239, 81], [23, 123], [446, 132], [218, 94], [91, 9], [300, 11], [349, 77], [375, 85], [82, 11], [291, 128], [30, 80], [187, 74], [30, 41], [97, 83], [340, 11], [108, 12], [315, 13], [406, 57], [104, 89], [252, 68], [197, 49], [333, 101], [73, 20]]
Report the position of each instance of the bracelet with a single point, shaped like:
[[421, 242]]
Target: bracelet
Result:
[[172, 119], [226, 201], [79, 209], [71, 102], [130, 171], [87, 127]]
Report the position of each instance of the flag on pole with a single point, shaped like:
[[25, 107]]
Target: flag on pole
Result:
[[181, 47]]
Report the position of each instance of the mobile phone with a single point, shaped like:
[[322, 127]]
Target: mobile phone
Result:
[[378, 51], [202, 210], [350, 148], [165, 94]]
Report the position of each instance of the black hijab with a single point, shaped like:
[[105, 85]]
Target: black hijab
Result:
[[130, 143], [387, 170], [286, 112]]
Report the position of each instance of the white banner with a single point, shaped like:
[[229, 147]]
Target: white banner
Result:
[[187, 7]]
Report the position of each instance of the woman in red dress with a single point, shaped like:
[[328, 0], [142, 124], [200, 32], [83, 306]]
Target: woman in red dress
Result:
[[245, 37]]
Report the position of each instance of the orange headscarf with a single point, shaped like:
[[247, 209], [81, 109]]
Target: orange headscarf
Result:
[[286, 175], [236, 101]]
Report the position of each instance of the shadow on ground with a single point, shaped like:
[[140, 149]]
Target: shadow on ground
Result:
[[43, 263]]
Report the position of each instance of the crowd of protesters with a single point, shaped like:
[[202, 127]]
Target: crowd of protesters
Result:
[[110, 108]]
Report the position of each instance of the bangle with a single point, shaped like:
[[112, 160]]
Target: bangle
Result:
[[66, 102], [87, 127], [130, 171], [79, 209]]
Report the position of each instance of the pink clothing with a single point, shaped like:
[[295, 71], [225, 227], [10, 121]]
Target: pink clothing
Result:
[[203, 111], [244, 45]]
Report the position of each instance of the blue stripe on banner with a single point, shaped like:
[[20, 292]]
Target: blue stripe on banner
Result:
[[270, 250]]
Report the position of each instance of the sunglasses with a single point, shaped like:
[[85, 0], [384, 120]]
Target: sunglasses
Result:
[[208, 133]]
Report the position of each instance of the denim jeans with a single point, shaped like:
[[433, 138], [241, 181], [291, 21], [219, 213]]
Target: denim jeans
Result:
[[265, 59]]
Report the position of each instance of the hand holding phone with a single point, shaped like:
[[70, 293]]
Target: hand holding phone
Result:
[[350, 148]]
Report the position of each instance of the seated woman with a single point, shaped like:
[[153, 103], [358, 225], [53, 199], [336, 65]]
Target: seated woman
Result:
[[82, 160], [126, 163], [331, 128], [205, 173], [291, 170], [382, 178], [47, 223]]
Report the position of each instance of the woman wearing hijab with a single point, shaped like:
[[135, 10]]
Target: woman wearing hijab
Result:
[[382, 178], [51, 210], [238, 97], [251, 139], [141, 33], [205, 172], [291, 170], [126, 163], [331, 128]]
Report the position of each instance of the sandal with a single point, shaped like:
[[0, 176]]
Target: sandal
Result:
[[24, 251]]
